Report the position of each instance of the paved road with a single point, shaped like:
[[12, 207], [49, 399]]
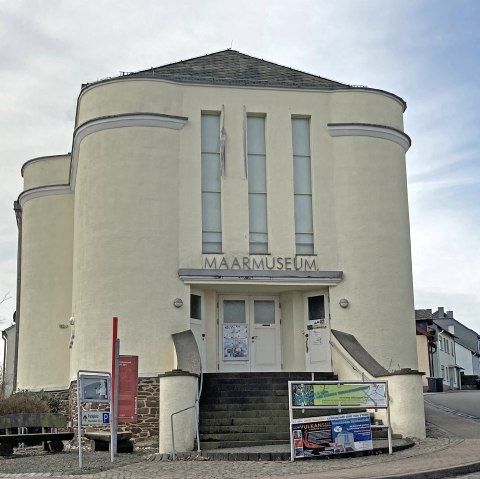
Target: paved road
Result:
[[455, 412], [467, 402]]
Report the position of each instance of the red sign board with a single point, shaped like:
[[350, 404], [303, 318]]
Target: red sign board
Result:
[[127, 389]]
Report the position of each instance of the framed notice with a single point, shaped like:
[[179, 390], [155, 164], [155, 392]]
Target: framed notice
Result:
[[94, 389], [366, 395], [235, 342]]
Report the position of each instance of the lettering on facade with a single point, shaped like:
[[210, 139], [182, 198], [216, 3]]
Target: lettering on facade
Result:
[[262, 263]]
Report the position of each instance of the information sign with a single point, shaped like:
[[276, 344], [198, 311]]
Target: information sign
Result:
[[94, 389], [330, 435], [95, 418], [366, 395], [127, 389]]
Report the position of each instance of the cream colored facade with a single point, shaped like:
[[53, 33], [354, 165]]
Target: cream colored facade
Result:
[[115, 229]]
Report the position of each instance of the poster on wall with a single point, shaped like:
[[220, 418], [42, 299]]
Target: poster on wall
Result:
[[330, 435], [356, 394], [127, 389], [312, 437], [235, 342]]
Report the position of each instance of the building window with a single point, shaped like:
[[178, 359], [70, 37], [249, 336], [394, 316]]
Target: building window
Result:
[[195, 307], [302, 185], [443, 372], [316, 307], [211, 190], [441, 344], [446, 346], [257, 185]]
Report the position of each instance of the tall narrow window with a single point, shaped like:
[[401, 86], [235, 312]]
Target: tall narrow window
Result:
[[302, 186], [211, 192], [257, 185]]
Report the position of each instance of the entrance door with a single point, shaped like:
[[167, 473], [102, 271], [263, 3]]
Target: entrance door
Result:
[[317, 333], [249, 333]]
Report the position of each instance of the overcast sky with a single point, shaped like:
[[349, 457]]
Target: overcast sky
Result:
[[426, 51]]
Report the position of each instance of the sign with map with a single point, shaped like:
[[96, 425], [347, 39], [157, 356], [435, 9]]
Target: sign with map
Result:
[[368, 395]]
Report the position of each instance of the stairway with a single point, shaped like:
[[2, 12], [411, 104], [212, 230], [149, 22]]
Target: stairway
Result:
[[247, 409]]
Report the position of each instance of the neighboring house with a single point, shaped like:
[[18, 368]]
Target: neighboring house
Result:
[[426, 343], [444, 360], [468, 356], [257, 206]]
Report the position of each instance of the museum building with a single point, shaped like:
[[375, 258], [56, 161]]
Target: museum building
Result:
[[263, 208]]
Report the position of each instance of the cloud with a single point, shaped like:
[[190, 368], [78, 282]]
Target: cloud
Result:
[[422, 51]]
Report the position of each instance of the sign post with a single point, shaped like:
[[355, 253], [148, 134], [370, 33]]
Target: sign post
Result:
[[92, 387], [327, 435]]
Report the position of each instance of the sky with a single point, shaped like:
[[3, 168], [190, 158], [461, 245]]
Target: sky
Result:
[[425, 51]]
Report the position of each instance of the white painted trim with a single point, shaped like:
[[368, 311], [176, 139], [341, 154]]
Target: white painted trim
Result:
[[345, 89], [192, 280], [43, 158], [372, 131], [120, 121], [43, 191], [94, 126]]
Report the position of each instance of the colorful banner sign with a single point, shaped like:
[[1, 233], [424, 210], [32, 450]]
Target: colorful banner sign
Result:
[[330, 435], [369, 395]]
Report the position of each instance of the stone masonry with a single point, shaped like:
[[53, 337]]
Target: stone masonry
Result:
[[146, 429]]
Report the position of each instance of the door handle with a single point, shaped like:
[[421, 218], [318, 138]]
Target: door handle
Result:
[[306, 343], [254, 337]]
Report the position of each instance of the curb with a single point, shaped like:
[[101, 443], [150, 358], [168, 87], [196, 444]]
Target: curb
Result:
[[437, 473]]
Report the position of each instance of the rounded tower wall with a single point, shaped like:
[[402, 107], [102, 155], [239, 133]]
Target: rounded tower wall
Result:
[[45, 292], [126, 247]]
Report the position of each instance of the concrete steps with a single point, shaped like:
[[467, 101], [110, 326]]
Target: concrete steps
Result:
[[247, 409]]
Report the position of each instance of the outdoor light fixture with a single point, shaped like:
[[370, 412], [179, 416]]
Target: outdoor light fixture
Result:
[[177, 302], [343, 303]]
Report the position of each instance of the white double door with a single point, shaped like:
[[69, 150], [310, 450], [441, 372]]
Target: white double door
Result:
[[249, 333]]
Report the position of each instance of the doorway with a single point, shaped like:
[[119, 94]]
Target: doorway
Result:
[[249, 333]]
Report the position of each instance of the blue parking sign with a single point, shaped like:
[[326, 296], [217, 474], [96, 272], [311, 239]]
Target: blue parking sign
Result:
[[106, 418]]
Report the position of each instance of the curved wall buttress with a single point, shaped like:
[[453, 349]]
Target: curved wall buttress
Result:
[[46, 272], [126, 220]]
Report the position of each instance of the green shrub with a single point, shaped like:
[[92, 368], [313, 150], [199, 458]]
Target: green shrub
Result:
[[29, 402]]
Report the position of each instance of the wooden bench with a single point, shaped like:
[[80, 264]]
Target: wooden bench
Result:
[[33, 429], [100, 440]]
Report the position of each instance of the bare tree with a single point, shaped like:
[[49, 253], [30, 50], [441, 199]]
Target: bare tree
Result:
[[6, 297]]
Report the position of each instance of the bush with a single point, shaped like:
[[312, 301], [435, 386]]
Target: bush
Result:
[[29, 402]]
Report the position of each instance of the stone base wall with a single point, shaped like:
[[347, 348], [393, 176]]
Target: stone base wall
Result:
[[146, 429]]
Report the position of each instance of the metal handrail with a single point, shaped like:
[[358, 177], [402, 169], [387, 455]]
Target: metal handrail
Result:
[[174, 455]]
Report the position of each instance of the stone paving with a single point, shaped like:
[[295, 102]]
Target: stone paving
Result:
[[439, 451]]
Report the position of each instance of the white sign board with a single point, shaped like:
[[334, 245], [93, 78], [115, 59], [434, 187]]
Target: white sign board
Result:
[[95, 418], [94, 389]]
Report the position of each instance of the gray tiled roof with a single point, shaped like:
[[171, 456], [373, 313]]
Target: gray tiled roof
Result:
[[423, 314], [230, 67]]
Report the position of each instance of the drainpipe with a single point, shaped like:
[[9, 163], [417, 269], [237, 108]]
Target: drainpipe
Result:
[[4, 368], [18, 215]]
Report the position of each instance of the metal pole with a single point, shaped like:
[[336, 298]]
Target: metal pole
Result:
[[290, 416], [79, 424], [115, 398], [114, 342], [390, 447]]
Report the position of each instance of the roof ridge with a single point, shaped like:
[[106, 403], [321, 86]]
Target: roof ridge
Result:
[[308, 78]]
